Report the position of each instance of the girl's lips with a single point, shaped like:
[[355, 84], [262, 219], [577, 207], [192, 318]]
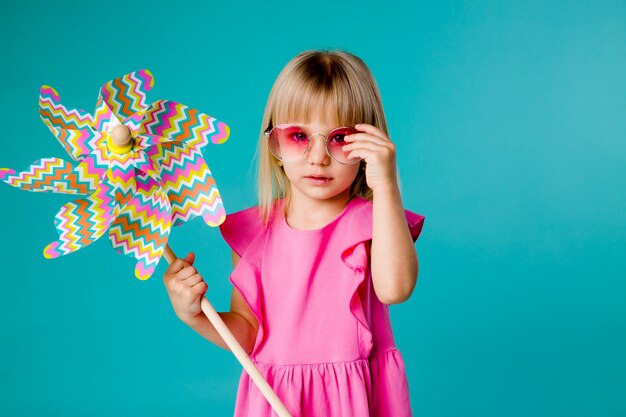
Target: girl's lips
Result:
[[318, 180]]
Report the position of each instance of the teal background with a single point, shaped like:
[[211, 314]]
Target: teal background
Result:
[[509, 120]]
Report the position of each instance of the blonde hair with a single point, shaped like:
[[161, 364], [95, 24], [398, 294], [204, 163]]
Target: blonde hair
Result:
[[337, 79]]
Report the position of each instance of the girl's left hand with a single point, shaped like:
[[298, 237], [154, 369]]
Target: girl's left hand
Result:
[[378, 152]]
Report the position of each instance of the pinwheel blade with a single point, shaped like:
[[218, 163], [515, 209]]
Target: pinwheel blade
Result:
[[103, 117], [142, 228], [179, 123], [82, 222], [190, 187], [48, 174], [72, 128], [126, 95]]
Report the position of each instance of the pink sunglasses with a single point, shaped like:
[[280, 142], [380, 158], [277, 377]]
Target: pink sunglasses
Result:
[[291, 142]]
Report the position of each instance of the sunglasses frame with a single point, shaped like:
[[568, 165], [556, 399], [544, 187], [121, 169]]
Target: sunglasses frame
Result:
[[268, 132]]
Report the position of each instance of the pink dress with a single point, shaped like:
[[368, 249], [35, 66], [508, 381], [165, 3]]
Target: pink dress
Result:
[[325, 343]]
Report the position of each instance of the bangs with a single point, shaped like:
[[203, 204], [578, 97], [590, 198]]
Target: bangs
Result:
[[323, 87]]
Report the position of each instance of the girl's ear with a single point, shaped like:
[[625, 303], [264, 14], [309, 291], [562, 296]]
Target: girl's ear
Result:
[[280, 163]]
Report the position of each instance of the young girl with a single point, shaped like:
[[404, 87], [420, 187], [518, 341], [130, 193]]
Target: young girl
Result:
[[319, 260]]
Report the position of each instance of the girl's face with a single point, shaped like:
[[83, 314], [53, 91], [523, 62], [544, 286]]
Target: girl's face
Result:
[[336, 177]]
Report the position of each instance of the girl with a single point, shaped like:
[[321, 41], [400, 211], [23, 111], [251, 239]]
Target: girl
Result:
[[327, 249]]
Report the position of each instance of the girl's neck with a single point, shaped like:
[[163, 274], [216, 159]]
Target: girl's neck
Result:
[[310, 213]]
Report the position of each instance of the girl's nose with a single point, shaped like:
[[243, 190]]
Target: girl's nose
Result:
[[317, 150]]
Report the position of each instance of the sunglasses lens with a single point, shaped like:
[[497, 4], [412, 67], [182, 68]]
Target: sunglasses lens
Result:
[[288, 143], [336, 142]]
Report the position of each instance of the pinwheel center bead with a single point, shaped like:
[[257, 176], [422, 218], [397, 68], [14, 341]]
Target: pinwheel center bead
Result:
[[120, 141]]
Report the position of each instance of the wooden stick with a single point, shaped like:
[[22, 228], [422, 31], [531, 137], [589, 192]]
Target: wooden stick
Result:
[[237, 350]]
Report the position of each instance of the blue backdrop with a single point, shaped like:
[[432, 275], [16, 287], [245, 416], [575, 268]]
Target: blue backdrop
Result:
[[509, 120]]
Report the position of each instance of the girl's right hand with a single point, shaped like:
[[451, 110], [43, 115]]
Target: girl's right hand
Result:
[[185, 288]]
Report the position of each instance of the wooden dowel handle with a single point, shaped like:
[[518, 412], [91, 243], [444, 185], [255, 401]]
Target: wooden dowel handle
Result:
[[235, 347]]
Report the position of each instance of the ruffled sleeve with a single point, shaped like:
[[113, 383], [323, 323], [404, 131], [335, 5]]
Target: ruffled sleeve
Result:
[[240, 228], [359, 230], [244, 232], [416, 222]]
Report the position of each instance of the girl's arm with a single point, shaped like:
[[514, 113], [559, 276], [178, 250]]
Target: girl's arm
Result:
[[393, 256], [240, 321]]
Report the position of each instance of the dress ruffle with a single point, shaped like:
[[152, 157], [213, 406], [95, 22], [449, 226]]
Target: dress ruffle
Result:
[[330, 389], [374, 387], [244, 230], [240, 229], [361, 222], [390, 388]]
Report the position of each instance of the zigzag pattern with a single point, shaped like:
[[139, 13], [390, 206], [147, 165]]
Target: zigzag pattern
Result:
[[70, 127], [192, 192], [121, 173], [126, 95], [144, 141], [83, 221], [78, 143], [142, 228], [171, 156], [53, 113], [145, 164], [207, 205], [103, 118], [48, 174], [134, 122], [94, 166], [180, 123]]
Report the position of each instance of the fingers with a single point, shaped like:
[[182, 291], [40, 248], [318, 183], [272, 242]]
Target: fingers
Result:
[[188, 287], [366, 144], [358, 153], [180, 264], [366, 141], [193, 280], [368, 150], [180, 272], [190, 258], [371, 129], [186, 273], [176, 266], [193, 287], [366, 137], [185, 287], [200, 288]]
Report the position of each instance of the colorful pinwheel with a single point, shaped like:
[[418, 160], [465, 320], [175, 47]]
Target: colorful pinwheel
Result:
[[137, 190], [141, 167]]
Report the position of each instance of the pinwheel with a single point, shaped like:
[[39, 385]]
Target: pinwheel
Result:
[[142, 169]]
